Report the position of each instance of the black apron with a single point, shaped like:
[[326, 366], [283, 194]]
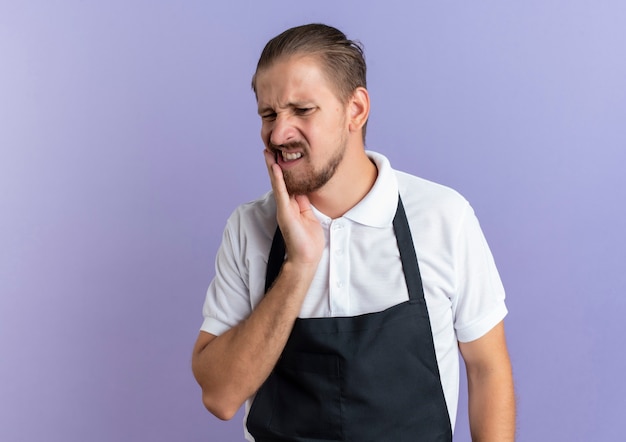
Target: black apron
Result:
[[372, 377]]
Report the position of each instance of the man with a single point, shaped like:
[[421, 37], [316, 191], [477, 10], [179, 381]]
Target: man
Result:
[[344, 323]]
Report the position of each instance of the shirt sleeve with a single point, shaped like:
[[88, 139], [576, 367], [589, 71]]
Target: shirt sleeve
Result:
[[227, 301], [479, 304]]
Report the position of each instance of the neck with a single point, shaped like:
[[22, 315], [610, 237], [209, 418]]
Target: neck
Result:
[[353, 179]]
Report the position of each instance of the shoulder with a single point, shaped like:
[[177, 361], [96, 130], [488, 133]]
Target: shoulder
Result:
[[253, 220], [417, 193], [260, 209], [424, 198]]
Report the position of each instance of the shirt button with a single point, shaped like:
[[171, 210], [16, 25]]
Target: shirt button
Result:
[[339, 284]]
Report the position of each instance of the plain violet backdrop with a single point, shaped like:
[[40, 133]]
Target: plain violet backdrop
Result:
[[128, 133]]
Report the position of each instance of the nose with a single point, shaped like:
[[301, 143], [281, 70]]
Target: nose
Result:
[[282, 130]]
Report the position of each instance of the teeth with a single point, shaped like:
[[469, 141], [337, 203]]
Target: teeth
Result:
[[287, 156]]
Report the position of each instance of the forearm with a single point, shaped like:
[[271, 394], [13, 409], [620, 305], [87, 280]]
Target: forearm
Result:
[[491, 404], [231, 367]]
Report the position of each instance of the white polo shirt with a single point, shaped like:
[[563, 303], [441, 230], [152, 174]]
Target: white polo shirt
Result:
[[360, 270]]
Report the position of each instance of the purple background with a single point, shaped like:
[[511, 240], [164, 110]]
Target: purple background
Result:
[[128, 133]]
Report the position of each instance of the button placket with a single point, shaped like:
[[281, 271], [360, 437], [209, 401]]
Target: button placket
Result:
[[339, 268]]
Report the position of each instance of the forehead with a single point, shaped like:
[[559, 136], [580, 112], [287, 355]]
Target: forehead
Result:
[[293, 79]]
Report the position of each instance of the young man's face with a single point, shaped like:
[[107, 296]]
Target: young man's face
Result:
[[303, 121]]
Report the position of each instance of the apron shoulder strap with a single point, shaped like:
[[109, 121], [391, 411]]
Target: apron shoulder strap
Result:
[[275, 259], [407, 254]]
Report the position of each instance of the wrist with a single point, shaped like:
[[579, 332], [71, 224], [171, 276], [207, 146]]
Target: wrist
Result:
[[303, 271]]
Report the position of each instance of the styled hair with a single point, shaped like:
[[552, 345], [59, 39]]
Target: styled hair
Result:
[[341, 60]]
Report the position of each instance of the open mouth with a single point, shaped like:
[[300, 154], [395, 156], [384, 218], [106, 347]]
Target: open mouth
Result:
[[290, 156], [286, 157]]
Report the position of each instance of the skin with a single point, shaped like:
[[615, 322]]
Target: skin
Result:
[[301, 113], [490, 387], [298, 106]]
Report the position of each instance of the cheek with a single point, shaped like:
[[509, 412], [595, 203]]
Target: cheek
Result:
[[265, 134]]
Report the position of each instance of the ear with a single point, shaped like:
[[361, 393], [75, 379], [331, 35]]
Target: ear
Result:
[[359, 109]]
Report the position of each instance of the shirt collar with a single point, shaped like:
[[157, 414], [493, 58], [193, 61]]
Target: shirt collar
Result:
[[378, 207]]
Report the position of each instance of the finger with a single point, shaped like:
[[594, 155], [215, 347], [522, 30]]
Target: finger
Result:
[[270, 158], [303, 203], [276, 179], [270, 162]]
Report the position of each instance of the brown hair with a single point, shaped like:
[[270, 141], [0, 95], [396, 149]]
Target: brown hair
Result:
[[342, 60]]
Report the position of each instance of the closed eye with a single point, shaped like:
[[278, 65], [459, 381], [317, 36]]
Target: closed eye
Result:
[[303, 110], [270, 116]]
